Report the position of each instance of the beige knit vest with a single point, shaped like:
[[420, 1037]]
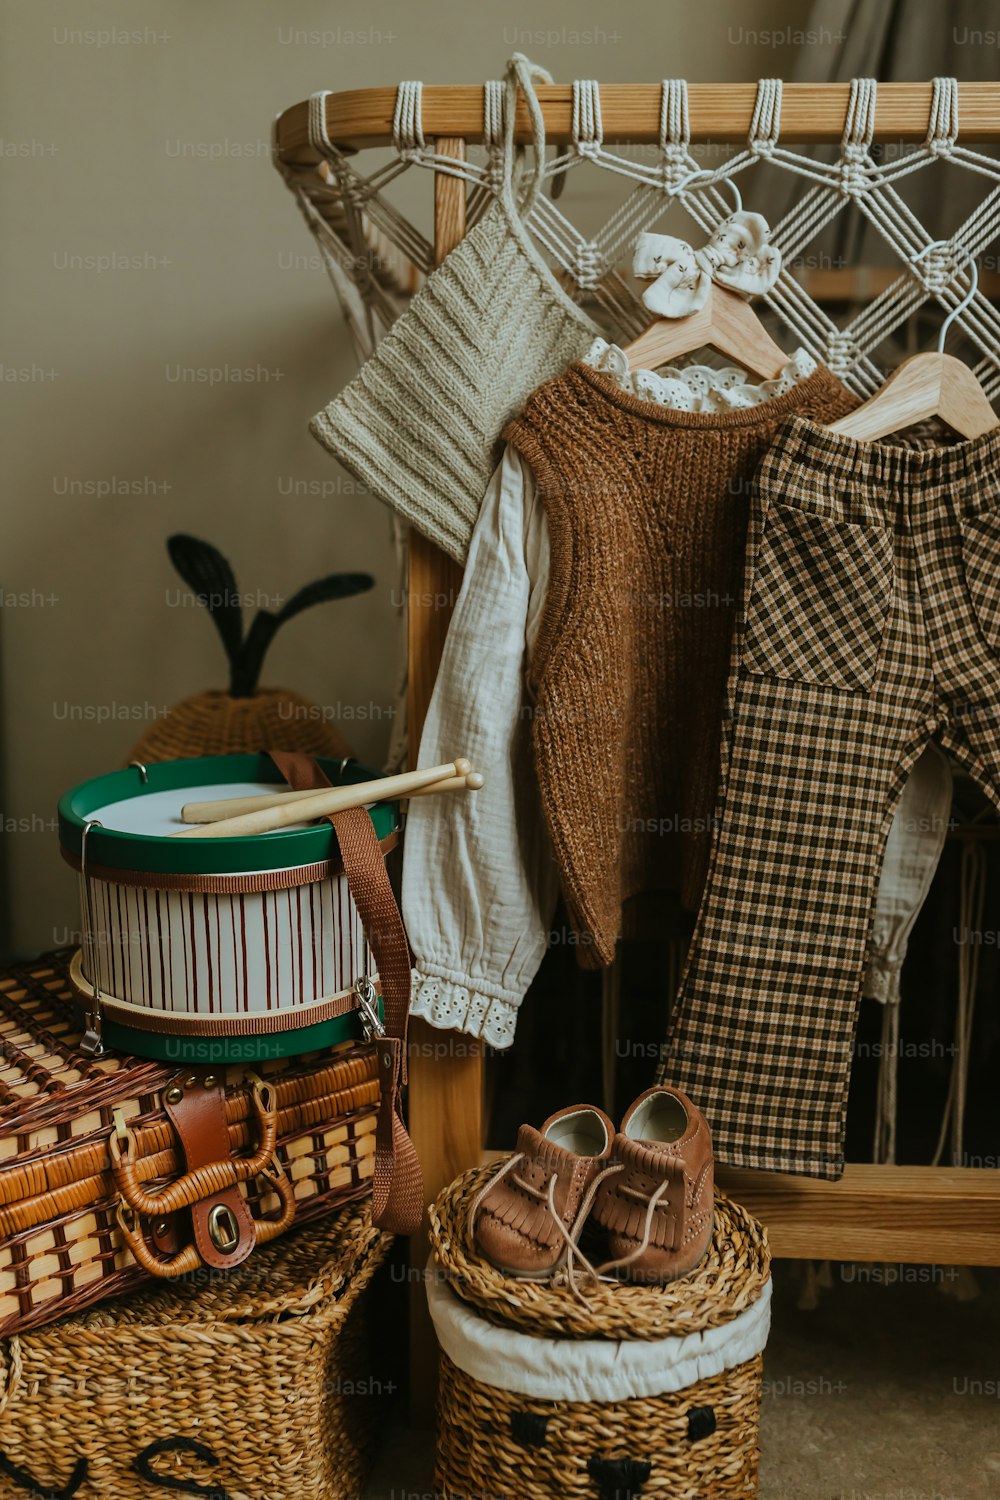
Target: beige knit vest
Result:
[[647, 513]]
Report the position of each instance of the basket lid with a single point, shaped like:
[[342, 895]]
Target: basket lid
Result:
[[730, 1278]]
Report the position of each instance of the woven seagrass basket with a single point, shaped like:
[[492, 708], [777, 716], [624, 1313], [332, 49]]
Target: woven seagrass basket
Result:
[[258, 1384], [215, 723], [642, 1391]]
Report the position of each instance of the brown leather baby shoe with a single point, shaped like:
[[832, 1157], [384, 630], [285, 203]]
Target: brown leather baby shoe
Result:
[[658, 1210], [527, 1218]]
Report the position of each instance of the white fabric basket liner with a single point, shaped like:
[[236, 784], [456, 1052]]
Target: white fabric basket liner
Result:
[[550, 1369]]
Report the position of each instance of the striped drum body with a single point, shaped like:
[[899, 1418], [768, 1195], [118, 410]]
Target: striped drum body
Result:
[[250, 946]]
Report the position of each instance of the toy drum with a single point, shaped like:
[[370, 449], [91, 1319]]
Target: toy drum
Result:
[[215, 949]]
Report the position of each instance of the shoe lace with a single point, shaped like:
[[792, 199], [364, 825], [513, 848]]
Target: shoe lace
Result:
[[652, 1201], [574, 1255]]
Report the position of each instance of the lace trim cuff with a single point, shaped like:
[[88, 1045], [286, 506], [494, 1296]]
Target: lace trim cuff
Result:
[[452, 1006], [882, 979]]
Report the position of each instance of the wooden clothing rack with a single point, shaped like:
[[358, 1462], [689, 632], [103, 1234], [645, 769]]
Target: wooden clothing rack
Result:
[[873, 1213]]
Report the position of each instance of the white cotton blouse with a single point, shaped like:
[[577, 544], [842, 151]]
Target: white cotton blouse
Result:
[[480, 885]]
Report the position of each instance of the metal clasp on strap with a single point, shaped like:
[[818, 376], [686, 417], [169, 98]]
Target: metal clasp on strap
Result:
[[91, 1044], [367, 995]]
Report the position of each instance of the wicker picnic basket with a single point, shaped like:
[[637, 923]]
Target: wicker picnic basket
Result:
[[82, 1218], [256, 1384], [620, 1390]]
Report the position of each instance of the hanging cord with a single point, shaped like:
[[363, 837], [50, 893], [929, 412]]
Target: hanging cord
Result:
[[611, 998], [886, 1106], [859, 128], [942, 127], [972, 906], [675, 133], [493, 131], [524, 74]]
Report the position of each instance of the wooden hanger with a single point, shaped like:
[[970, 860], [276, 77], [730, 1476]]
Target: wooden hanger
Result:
[[925, 385], [726, 323]]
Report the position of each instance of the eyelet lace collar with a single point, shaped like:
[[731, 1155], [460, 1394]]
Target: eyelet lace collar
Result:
[[696, 387]]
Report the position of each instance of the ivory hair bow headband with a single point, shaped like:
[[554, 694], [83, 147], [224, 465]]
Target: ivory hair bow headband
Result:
[[738, 256]]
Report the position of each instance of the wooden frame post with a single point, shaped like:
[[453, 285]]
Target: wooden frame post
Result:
[[445, 1067]]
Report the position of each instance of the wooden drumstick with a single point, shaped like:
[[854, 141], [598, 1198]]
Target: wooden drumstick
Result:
[[472, 781], [320, 804], [235, 807]]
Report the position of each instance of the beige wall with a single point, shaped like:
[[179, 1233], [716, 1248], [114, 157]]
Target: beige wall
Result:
[[156, 147]]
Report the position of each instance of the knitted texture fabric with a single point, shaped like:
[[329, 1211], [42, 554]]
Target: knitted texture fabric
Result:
[[647, 510], [420, 423]]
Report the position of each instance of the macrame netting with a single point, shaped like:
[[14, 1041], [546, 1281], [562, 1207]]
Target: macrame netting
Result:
[[376, 257]]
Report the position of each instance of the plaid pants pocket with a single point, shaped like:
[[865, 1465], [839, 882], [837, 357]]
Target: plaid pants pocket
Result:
[[820, 596], [981, 563]]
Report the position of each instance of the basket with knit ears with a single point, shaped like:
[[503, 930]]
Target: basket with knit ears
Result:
[[603, 1391], [247, 717]]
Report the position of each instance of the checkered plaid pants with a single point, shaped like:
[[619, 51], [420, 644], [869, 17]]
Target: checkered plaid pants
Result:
[[869, 622]]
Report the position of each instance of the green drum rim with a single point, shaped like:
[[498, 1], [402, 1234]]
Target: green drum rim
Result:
[[191, 1051], [287, 849]]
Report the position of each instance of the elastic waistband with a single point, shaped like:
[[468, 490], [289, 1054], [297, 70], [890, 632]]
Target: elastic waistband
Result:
[[802, 447]]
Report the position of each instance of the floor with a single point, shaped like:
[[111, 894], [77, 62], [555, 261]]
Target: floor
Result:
[[880, 1383]]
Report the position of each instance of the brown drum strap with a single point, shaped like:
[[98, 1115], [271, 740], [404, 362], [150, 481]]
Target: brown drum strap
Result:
[[398, 1192]]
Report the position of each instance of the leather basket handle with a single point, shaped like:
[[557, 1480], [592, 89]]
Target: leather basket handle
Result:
[[205, 1181], [209, 1189], [190, 1258]]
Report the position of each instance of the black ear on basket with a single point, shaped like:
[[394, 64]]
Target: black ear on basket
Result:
[[247, 668], [701, 1423], [209, 576], [333, 586], [528, 1428]]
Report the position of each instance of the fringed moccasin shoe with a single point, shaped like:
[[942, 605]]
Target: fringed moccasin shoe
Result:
[[657, 1210], [527, 1219]]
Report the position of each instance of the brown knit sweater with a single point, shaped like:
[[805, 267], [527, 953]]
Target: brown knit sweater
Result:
[[647, 511]]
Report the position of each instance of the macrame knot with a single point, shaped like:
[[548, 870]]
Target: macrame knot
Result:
[[675, 168], [407, 122], [765, 125], [937, 269], [354, 193], [587, 128], [588, 267], [841, 351], [855, 166], [942, 127]]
